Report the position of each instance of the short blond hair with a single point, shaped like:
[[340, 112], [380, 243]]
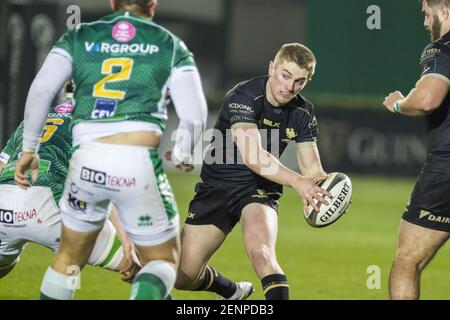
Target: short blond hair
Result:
[[299, 54], [143, 4], [433, 3]]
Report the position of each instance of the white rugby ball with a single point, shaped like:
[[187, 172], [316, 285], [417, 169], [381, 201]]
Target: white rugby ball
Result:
[[340, 187]]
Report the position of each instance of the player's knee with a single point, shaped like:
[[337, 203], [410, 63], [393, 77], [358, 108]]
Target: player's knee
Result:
[[186, 278], [261, 256], [407, 257], [190, 269], [7, 263]]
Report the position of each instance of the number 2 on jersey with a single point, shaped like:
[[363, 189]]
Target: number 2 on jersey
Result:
[[126, 66]]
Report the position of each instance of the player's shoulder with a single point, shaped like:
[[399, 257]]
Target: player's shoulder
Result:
[[439, 46], [301, 105], [252, 89]]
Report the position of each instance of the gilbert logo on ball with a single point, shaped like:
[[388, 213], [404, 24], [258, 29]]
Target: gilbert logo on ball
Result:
[[123, 31], [340, 187]]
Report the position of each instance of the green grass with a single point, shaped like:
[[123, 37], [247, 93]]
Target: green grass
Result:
[[328, 263]]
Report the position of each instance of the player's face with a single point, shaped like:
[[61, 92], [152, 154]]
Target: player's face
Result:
[[431, 21], [286, 80]]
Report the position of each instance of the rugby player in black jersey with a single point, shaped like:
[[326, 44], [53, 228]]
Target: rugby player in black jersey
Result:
[[425, 226], [242, 180]]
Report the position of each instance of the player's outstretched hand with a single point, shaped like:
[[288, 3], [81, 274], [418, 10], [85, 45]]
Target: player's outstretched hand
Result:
[[309, 191], [27, 160], [180, 166]]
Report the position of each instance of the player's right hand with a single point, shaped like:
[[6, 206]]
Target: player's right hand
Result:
[[26, 161], [309, 191], [185, 167]]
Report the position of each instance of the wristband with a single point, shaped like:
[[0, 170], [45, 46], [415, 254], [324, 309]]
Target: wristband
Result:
[[397, 107]]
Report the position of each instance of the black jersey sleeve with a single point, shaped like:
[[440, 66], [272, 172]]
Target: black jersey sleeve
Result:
[[241, 109], [436, 60], [308, 128]]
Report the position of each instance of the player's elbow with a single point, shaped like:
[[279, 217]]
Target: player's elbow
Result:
[[428, 103], [40, 90]]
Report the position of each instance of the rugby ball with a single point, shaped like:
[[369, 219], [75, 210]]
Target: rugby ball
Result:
[[340, 187]]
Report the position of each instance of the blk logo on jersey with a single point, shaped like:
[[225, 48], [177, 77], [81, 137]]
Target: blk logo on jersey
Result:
[[11, 216], [103, 108]]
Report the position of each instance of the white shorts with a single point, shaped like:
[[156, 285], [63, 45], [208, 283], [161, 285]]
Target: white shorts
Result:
[[33, 216], [131, 177]]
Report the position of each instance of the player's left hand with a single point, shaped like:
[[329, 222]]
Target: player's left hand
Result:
[[27, 160], [391, 99], [130, 266]]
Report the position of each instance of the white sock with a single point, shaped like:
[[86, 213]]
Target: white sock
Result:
[[154, 281], [58, 286]]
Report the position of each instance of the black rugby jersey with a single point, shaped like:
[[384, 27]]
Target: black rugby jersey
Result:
[[247, 103], [435, 60]]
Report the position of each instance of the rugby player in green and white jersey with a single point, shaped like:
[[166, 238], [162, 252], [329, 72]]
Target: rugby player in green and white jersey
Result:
[[33, 216], [124, 67]]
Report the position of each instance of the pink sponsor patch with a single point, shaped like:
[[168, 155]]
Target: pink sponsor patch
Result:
[[64, 108], [123, 31]]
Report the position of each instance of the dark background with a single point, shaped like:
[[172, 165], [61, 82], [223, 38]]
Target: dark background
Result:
[[234, 40]]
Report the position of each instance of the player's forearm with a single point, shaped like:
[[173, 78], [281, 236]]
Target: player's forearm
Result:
[[315, 171], [418, 103], [190, 103], [266, 165], [55, 71]]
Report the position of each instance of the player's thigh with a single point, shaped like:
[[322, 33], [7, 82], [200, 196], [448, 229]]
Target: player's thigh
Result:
[[167, 251], [10, 250], [76, 247], [419, 244], [259, 223], [108, 251]]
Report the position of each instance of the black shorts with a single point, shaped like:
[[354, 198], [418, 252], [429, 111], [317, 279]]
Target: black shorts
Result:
[[429, 206], [222, 206]]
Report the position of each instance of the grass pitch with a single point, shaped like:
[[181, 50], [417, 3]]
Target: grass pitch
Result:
[[328, 263]]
